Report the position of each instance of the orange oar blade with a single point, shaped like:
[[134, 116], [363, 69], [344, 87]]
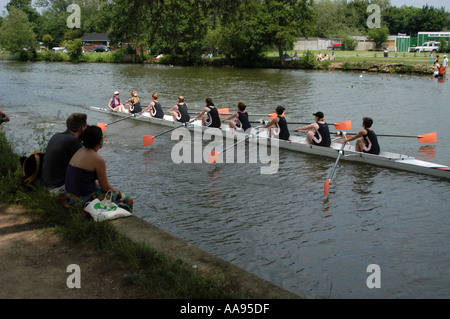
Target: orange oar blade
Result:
[[102, 126], [148, 140], [428, 138], [347, 125], [213, 157], [274, 115], [224, 110], [326, 187]]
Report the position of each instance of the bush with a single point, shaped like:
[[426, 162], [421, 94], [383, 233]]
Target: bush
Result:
[[308, 61], [349, 43], [117, 56], [50, 56], [75, 48], [28, 55]]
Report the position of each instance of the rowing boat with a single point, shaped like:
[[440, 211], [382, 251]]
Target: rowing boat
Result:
[[299, 144]]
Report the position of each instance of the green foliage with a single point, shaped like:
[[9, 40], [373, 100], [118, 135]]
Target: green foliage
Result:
[[349, 43], [51, 56], [117, 56], [75, 48], [16, 32], [308, 61], [47, 39], [379, 36], [445, 46], [9, 162], [237, 30]]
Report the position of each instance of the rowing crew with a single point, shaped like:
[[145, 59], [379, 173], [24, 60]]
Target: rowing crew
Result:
[[317, 133]]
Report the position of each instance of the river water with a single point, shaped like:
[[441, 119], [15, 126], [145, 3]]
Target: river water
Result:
[[278, 226]]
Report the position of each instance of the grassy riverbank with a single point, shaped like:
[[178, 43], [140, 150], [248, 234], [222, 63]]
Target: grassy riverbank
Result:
[[371, 61], [156, 275]]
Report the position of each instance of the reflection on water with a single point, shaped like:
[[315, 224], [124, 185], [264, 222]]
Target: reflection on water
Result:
[[426, 153], [279, 226]]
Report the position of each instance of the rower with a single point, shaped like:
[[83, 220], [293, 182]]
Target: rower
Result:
[[155, 107], [369, 142], [239, 119], [317, 133], [135, 103], [280, 123], [180, 111], [209, 115]]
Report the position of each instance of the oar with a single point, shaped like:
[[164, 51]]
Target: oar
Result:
[[222, 111], [424, 138], [148, 139], [328, 181], [274, 115], [214, 156], [346, 125], [103, 125]]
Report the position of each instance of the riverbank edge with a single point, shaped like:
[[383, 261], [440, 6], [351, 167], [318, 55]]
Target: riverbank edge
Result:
[[373, 67], [142, 232]]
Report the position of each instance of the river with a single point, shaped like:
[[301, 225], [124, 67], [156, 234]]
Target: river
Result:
[[278, 226]]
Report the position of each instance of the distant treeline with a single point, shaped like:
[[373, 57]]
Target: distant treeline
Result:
[[239, 30]]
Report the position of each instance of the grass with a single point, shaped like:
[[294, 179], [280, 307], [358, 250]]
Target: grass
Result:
[[156, 274], [407, 58]]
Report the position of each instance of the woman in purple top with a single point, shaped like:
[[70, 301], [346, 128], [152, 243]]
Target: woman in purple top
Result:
[[86, 177]]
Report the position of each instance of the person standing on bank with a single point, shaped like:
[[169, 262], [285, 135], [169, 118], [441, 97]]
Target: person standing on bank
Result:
[[279, 123], [180, 111], [317, 133], [368, 142], [60, 150], [209, 115], [155, 108]]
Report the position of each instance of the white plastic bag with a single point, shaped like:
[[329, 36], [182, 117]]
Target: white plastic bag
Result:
[[105, 209]]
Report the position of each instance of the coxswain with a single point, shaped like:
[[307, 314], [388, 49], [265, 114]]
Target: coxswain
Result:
[[114, 103], [239, 120], [180, 111], [368, 142], [155, 108], [279, 122], [317, 133], [210, 115]]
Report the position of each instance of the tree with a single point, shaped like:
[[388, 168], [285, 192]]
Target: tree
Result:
[[243, 35], [136, 21], [25, 6], [75, 48], [379, 36], [284, 20], [47, 39], [16, 32]]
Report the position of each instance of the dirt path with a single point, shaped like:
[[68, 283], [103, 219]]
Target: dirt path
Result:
[[33, 264]]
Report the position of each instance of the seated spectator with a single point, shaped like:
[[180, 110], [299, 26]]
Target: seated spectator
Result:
[[86, 177], [60, 150]]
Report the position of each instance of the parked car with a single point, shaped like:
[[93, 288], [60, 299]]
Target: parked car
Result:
[[60, 49], [432, 46], [102, 48]]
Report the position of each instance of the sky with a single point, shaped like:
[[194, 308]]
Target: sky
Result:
[[420, 3], [396, 3]]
